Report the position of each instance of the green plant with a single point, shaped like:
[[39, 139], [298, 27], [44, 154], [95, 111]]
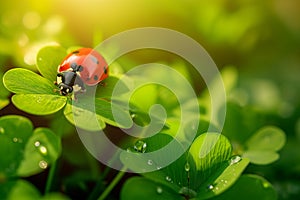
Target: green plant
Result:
[[196, 174]]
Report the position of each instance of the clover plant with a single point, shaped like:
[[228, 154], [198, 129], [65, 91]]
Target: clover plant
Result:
[[196, 174]]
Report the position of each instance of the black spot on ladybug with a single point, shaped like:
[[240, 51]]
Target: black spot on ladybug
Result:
[[95, 77], [94, 59], [75, 52], [105, 70]]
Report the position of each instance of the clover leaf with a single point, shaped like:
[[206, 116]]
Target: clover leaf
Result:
[[244, 189], [38, 95], [263, 145], [3, 93], [22, 189], [259, 144], [34, 93], [204, 171], [30, 150]]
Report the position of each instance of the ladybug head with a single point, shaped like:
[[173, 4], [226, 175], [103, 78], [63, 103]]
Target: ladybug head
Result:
[[65, 89]]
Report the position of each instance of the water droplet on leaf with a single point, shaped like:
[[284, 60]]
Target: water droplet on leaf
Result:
[[223, 181], [168, 178], [43, 164], [2, 131], [130, 149], [187, 167], [39, 99], [187, 192], [78, 111], [37, 143], [17, 140], [140, 146], [43, 150], [159, 190], [210, 187], [234, 160], [133, 116], [150, 162]]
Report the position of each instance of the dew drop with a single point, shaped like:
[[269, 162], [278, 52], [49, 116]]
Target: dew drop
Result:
[[159, 190], [187, 167], [17, 140], [140, 146], [78, 111], [43, 164], [193, 127], [168, 178], [158, 167], [39, 99], [133, 116], [43, 150], [130, 149], [234, 160], [2, 131], [210, 187], [37, 143], [150, 162], [187, 192]]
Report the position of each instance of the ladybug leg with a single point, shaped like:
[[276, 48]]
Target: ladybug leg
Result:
[[79, 85], [74, 97], [102, 84], [60, 77]]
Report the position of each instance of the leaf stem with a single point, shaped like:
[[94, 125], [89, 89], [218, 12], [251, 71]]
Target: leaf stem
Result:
[[114, 182], [50, 177]]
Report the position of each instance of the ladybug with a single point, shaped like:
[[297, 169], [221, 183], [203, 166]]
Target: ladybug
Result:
[[82, 67]]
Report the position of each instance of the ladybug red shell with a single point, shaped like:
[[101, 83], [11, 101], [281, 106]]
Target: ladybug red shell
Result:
[[84, 66]]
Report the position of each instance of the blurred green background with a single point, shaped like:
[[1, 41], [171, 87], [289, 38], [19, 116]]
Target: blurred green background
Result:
[[261, 39]]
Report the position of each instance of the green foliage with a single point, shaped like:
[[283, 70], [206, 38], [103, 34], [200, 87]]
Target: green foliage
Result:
[[38, 95], [142, 188], [3, 93], [82, 114], [260, 42], [263, 145], [31, 151], [42, 149], [19, 189], [24, 190], [48, 58], [243, 189], [24, 81], [204, 171]]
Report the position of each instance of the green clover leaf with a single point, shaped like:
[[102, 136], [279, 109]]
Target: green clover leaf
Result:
[[38, 95], [207, 169], [30, 151]]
